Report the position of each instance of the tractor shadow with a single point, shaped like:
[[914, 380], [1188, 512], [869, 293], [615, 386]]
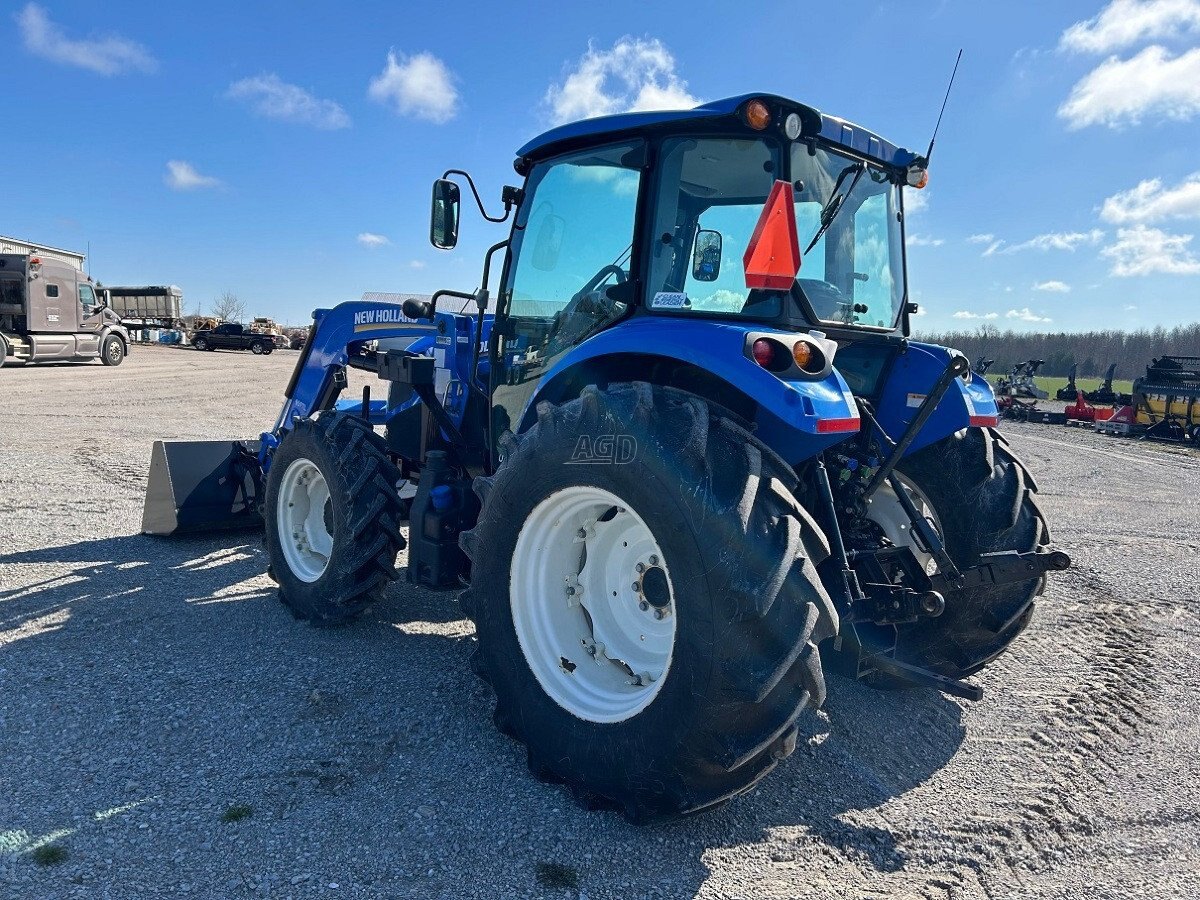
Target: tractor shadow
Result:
[[380, 723]]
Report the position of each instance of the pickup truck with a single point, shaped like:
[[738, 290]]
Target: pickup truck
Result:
[[232, 336]]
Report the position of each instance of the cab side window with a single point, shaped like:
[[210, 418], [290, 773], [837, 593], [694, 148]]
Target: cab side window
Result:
[[51, 290], [87, 299]]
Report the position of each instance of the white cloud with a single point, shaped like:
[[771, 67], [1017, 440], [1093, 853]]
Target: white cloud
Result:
[[271, 96], [1054, 287], [964, 314], [1055, 240], [420, 86], [373, 241], [1129, 307], [182, 176], [981, 239], [416, 264], [1148, 251], [1149, 202], [1026, 315], [636, 74], [915, 201], [1126, 22], [104, 54], [1121, 92], [921, 240]]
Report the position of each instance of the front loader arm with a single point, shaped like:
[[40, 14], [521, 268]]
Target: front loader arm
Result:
[[334, 340]]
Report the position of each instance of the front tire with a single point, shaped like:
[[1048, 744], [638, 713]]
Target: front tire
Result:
[[257, 348], [657, 716], [200, 343], [332, 516], [112, 351], [984, 500]]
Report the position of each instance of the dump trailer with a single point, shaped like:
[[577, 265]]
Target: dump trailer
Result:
[[147, 308], [690, 462], [51, 312], [1167, 398]]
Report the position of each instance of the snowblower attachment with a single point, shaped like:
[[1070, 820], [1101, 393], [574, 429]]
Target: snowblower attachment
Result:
[[202, 486]]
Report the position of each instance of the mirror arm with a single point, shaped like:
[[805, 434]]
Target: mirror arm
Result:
[[511, 198]]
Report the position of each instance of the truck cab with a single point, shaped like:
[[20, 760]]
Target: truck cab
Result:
[[50, 311]]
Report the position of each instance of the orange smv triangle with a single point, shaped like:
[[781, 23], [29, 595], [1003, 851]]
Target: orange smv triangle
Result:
[[772, 258]]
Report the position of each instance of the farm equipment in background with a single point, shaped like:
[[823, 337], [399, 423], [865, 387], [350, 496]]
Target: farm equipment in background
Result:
[[1068, 392], [1105, 393], [1083, 412], [982, 365], [673, 493], [1167, 399], [1020, 383]]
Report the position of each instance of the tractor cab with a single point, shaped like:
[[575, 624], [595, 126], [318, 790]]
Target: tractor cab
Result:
[[755, 210]]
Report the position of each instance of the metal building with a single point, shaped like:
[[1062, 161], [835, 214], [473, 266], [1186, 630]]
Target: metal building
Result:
[[14, 245]]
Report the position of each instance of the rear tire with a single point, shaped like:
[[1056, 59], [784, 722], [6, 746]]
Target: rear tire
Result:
[[984, 500], [356, 530], [257, 348], [200, 343], [739, 556], [112, 351]]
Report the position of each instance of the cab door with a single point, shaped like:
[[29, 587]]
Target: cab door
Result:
[[573, 268], [87, 339]]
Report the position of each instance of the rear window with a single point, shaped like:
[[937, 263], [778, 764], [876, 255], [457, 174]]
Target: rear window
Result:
[[10, 291], [51, 290]]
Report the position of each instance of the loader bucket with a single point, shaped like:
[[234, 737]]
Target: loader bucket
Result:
[[202, 486]]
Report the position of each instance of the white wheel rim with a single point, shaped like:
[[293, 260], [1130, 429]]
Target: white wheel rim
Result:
[[305, 517], [885, 510], [597, 632]]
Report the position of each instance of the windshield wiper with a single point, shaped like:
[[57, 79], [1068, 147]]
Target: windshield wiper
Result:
[[834, 204]]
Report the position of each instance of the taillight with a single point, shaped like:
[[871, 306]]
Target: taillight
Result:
[[763, 352]]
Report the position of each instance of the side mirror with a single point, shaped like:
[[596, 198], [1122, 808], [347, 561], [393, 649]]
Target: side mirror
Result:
[[443, 216], [548, 243], [706, 256]]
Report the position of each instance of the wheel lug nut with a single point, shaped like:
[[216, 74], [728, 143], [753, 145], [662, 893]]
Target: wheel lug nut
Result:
[[637, 587], [640, 567], [654, 560], [582, 532], [659, 613], [643, 606]]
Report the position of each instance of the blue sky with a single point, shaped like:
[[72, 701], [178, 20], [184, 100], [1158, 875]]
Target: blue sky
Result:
[[285, 152]]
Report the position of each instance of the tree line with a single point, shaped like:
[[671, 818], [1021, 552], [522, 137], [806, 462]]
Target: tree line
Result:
[[1093, 351]]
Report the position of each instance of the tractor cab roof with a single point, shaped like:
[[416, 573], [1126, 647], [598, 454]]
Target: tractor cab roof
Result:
[[717, 115]]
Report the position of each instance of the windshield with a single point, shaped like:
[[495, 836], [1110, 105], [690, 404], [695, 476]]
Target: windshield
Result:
[[708, 199], [854, 272]]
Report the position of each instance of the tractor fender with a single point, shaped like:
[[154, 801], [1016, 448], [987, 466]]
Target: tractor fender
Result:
[[968, 403], [796, 418]]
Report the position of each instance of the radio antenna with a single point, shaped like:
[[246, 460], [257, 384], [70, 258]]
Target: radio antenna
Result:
[[945, 100]]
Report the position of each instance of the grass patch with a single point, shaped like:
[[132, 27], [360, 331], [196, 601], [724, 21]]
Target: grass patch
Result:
[[49, 854], [1051, 384], [556, 875], [237, 813]]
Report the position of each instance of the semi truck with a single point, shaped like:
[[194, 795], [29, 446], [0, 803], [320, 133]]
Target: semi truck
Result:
[[50, 311]]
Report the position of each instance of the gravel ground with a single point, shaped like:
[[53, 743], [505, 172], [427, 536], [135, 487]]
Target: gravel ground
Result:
[[151, 689]]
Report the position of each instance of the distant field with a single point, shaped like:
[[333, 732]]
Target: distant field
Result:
[[1051, 385]]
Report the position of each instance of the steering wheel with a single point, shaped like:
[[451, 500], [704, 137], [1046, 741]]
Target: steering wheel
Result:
[[587, 299]]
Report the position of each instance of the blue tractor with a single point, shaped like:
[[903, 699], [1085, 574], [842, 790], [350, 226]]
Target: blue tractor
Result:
[[673, 484]]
